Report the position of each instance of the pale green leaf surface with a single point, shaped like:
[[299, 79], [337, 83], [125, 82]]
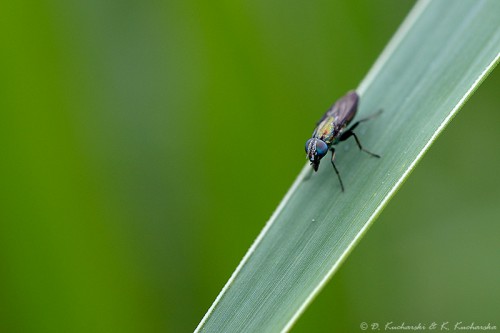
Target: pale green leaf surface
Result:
[[437, 58]]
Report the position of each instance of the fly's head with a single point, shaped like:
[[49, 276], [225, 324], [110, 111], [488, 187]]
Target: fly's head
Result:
[[316, 149]]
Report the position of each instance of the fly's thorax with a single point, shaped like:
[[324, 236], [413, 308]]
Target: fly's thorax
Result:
[[326, 130], [337, 133]]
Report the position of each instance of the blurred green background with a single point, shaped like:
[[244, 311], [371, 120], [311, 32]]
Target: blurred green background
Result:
[[145, 143]]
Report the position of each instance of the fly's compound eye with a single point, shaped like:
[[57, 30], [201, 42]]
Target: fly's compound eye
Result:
[[316, 149], [321, 148]]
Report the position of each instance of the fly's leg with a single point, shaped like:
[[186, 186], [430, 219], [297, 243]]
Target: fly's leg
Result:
[[347, 134], [337, 171], [376, 114]]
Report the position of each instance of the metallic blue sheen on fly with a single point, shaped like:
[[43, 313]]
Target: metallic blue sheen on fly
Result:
[[331, 129]]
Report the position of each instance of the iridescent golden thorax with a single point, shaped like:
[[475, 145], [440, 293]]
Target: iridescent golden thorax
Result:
[[328, 130]]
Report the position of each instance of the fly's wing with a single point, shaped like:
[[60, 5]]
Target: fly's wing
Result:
[[343, 110]]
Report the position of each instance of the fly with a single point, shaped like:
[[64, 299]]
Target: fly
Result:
[[331, 129]]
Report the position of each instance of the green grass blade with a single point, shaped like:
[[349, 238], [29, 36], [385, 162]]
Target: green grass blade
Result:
[[438, 57]]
